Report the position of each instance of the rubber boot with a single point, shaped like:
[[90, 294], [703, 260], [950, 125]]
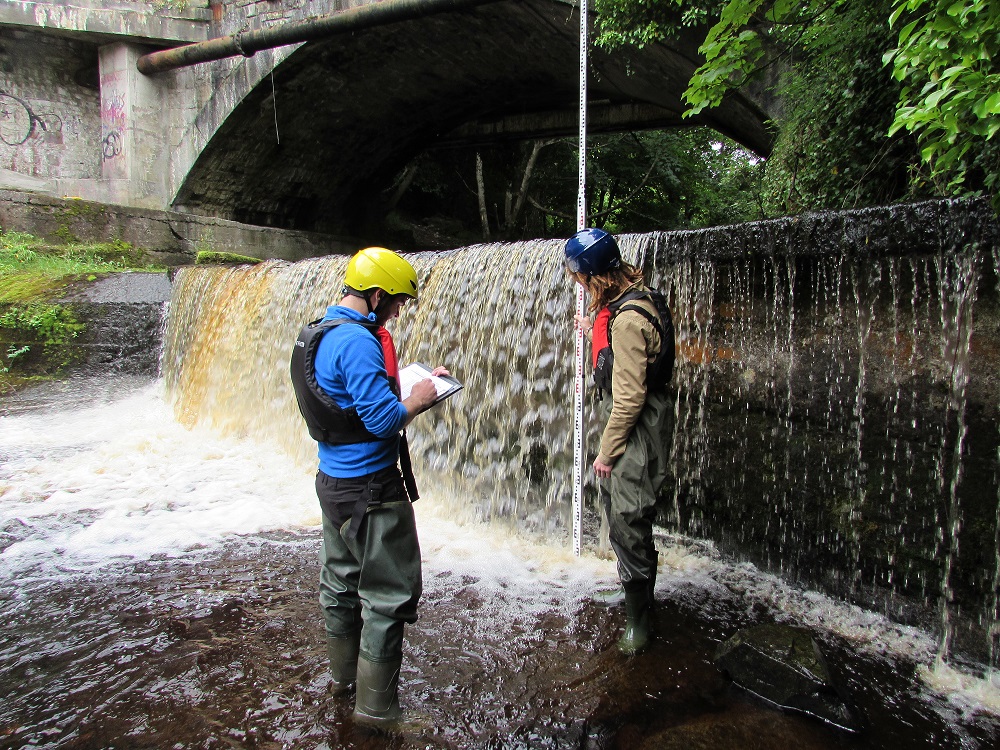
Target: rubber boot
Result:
[[614, 597], [343, 653], [610, 598], [638, 612], [377, 702]]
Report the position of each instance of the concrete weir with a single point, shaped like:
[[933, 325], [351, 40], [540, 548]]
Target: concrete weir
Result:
[[836, 390]]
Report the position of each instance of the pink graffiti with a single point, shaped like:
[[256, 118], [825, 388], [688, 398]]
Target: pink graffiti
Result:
[[113, 112]]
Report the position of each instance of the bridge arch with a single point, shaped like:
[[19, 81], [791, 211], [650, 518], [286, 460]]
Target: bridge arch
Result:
[[315, 141], [308, 136]]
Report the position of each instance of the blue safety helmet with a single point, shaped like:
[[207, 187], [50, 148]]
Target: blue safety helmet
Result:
[[592, 251]]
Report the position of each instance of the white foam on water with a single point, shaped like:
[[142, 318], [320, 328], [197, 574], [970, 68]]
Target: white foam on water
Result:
[[84, 488], [966, 694], [517, 578]]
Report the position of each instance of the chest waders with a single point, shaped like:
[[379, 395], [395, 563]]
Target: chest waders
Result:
[[629, 494], [370, 575]]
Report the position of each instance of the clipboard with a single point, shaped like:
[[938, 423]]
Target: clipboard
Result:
[[413, 373]]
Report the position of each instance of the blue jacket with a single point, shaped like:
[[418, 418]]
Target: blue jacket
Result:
[[350, 367]]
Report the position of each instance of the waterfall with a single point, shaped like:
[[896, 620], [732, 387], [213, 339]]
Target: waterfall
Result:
[[836, 412]]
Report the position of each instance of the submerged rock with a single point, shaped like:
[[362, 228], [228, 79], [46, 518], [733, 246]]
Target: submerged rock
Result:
[[785, 666]]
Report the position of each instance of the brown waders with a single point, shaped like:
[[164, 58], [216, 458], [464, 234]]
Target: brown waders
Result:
[[629, 498], [370, 583]]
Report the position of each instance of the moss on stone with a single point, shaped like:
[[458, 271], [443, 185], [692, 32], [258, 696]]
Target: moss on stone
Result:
[[209, 257]]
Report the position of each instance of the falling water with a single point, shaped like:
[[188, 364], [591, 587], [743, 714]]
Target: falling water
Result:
[[850, 408], [495, 314], [835, 411], [993, 615]]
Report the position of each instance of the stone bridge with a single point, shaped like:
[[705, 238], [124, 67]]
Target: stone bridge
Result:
[[306, 136]]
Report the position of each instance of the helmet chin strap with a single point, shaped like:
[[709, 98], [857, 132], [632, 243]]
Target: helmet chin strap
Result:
[[382, 305], [378, 309], [366, 296]]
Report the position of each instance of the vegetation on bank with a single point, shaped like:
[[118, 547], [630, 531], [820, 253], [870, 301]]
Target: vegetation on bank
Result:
[[35, 325], [685, 178], [883, 100]]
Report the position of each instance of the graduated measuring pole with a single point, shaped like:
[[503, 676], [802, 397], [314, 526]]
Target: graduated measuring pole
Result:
[[581, 221]]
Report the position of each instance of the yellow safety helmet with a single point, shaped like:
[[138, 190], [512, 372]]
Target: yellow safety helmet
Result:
[[379, 268]]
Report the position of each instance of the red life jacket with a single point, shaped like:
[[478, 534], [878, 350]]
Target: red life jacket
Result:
[[601, 335], [389, 354], [661, 369]]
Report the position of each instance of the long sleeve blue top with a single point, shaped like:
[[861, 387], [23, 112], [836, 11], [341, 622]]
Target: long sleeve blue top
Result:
[[350, 367]]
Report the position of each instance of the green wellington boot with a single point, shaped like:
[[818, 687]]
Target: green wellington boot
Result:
[[615, 597], [610, 598], [638, 626], [343, 653], [377, 702]]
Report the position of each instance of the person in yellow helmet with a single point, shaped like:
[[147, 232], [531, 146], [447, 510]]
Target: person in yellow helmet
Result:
[[344, 371]]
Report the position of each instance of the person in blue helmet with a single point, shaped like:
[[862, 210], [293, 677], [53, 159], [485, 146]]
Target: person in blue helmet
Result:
[[632, 343]]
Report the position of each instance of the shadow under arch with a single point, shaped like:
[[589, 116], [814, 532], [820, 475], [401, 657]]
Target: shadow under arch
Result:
[[313, 146]]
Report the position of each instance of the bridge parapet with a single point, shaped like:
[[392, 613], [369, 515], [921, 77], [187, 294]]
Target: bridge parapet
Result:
[[137, 20], [250, 15]]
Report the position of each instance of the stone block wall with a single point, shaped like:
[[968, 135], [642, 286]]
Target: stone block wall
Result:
[[50, 106], [237, 15]]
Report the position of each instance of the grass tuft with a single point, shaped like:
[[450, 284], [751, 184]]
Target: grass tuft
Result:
[[31, 269]]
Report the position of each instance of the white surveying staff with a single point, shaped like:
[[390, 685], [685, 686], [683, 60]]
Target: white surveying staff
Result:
[[581, 221]]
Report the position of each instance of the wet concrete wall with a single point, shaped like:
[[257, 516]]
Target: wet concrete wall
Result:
[[837, 412], [124, 316]]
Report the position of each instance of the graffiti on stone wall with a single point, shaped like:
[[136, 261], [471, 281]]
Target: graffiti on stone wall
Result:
[[19, 122], [112, 125]]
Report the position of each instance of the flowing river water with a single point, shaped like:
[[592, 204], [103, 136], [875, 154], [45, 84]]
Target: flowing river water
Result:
[[159, 539]]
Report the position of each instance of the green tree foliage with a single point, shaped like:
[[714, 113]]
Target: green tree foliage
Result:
[[843, 137], [833, 148], [948, 60], [669, 179], [641, 22], [674, 179]]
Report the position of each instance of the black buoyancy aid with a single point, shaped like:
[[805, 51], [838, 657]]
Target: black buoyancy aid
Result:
[[661, 369], [327, 422]]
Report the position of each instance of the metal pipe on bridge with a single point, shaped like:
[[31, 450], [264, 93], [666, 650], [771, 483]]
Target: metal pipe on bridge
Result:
[[247, 43]]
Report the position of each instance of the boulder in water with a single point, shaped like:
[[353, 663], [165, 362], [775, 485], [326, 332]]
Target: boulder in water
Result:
[[784, 665]]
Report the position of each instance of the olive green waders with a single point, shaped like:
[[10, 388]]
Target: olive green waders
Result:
[[369, 588], [629, 498]]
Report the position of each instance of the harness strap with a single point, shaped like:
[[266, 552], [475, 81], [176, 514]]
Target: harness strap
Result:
[[371, 495], [406, 468], [654, 319]]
